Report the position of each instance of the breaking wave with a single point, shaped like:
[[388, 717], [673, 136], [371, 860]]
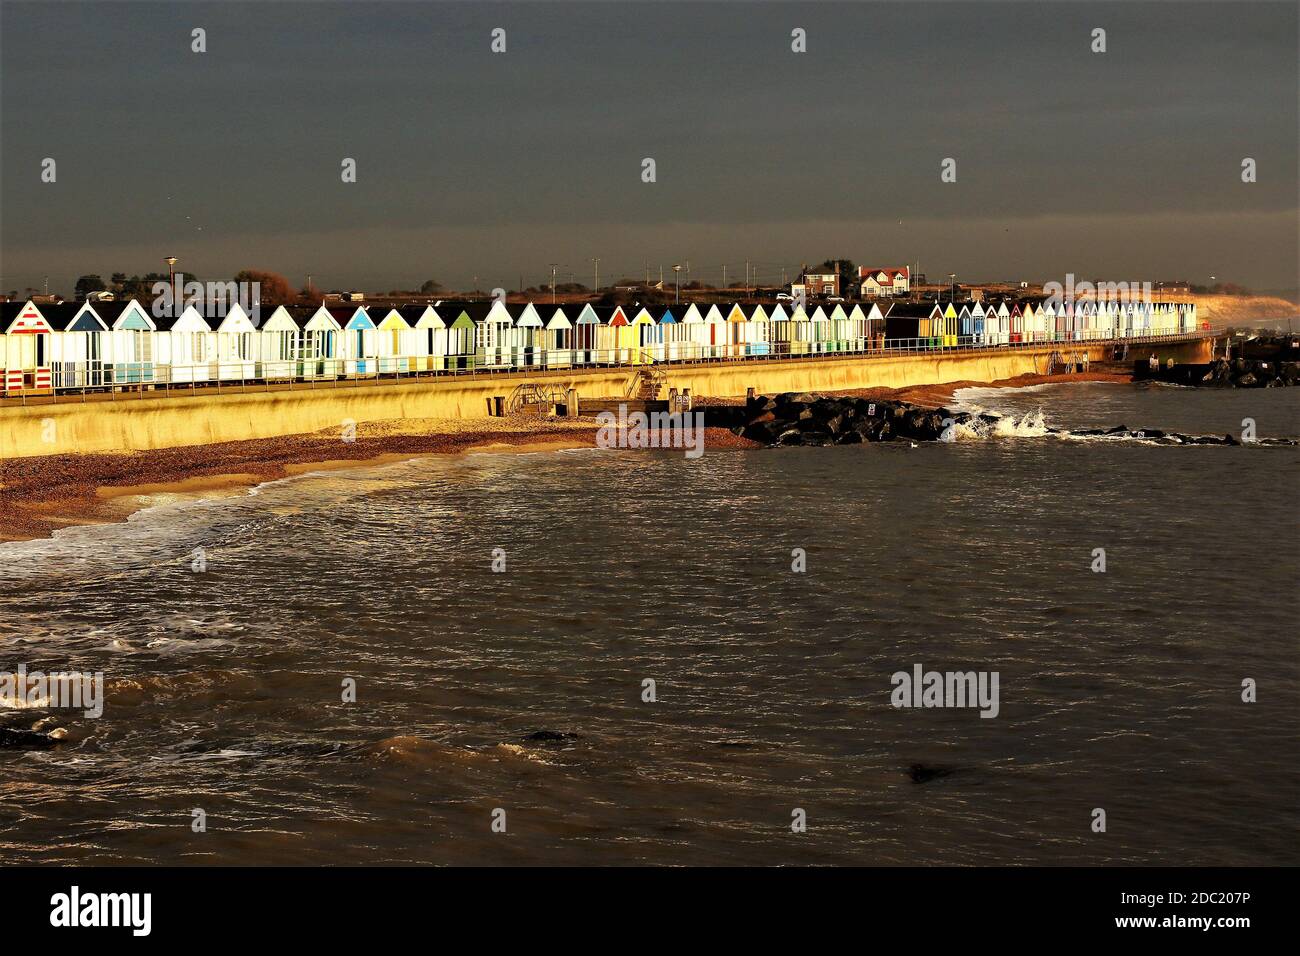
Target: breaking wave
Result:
[[985, 424]]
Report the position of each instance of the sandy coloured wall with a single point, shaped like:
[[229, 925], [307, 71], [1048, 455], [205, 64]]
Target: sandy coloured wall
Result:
[[131, 422]]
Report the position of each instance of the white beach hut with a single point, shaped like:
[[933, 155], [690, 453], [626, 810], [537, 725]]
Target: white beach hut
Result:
[[716, 325], [320, 346], [585, 333], [529, 345], [694, 334], [557, 339], [424, 342], [185, 347], [77, 349], [278, 344], [494, 336], [237, 346]]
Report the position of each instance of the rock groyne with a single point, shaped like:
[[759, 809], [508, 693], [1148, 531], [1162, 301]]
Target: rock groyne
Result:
[[806, 419], [1223, 373]]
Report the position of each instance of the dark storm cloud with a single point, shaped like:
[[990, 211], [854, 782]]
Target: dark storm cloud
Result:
[[1125, 164]]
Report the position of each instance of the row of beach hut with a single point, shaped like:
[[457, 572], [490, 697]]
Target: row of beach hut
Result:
[[959, 324], [104, 344]]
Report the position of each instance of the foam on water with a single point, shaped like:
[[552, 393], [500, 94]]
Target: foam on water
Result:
[[992, 425]]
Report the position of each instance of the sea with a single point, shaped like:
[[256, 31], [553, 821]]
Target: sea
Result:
[[626, 657]]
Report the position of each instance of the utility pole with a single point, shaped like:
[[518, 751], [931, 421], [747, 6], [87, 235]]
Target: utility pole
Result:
[[553, 283], [596, 259], [724, 276], [746, 278]]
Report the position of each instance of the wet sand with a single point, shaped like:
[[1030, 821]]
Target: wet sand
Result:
[[38, 496]]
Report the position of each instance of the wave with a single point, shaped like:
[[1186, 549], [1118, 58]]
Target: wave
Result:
[[980, 424], [966, 399], [984, 424]]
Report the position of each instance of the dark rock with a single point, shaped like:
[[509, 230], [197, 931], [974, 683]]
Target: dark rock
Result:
[[920, 773], [550, 736], [15, 739]]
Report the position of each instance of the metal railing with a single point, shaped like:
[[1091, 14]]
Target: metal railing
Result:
[[126, 381]]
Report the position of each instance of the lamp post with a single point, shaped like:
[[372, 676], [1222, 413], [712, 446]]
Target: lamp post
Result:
[[171, 282], [952, 290], [677, 273]]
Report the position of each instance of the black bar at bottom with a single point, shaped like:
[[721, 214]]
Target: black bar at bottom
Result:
[[240, 905]]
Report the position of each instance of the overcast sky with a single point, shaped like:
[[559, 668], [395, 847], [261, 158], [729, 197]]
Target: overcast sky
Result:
[[1122, 165]]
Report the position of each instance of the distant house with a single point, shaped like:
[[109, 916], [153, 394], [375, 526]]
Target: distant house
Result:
[[821, 283], [878, 283]]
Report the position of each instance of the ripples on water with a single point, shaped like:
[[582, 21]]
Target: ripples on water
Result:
[[1118, 690]]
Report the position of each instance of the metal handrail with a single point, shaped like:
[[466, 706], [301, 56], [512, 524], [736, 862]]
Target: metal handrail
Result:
[[120, 379]]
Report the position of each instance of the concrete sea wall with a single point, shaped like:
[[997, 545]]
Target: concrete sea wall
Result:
[[148, 420]]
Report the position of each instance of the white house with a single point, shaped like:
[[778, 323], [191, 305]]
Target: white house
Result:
[[890, 281]]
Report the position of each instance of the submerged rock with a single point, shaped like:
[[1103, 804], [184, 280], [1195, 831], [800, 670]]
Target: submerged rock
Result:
[[550, 736], [12, 738], [920, 773]]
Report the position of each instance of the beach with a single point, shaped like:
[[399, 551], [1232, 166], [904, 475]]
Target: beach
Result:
[[38, 496]]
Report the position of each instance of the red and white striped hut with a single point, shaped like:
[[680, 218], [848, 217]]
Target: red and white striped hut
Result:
[[25, 336]]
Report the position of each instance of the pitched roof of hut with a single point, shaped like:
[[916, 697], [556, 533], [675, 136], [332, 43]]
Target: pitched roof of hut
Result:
[[57, 314]]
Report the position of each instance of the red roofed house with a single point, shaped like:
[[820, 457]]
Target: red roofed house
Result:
[[884, 282]]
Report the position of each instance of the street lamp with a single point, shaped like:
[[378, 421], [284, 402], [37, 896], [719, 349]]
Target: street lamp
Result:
[[677, 272], [171, 282], [952, 291]]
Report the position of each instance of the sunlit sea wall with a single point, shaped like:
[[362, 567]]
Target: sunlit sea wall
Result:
[[135, 423]]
